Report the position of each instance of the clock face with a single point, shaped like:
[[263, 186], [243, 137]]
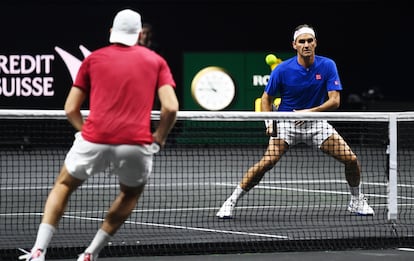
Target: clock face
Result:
[[213, 88]]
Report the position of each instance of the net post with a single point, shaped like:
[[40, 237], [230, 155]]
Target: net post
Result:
[[392, 181]]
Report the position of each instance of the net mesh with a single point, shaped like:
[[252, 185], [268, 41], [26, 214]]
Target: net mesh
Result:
[[301, 204]]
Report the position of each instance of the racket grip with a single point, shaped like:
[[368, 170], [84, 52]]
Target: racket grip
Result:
[[274, 127], [272, 123]]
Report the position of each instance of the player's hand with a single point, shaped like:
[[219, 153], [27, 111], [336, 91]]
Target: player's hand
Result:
[[269, 130], [157, 139]]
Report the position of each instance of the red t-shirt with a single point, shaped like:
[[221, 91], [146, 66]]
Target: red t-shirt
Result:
[[121, 83]]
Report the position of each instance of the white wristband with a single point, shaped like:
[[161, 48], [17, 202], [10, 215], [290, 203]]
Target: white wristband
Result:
[[268, 123]]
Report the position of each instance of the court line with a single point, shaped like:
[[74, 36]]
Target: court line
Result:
[[185, 227], [314, 190], [71, 213], [313, 181], [86, 186], [406, 249]]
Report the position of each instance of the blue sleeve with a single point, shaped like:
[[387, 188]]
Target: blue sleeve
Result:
[[333, 82]]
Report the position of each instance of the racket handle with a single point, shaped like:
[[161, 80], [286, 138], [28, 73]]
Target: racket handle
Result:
[[274, 127]]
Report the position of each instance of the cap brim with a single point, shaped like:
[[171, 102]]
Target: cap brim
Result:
[[123, 38]]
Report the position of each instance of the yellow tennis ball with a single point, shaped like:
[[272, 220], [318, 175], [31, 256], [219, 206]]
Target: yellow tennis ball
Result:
[[271, 59]]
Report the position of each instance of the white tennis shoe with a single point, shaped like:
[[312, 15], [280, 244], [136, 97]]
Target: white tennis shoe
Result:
[[359, 206], [86, 257], [34, 255], [226, 211]]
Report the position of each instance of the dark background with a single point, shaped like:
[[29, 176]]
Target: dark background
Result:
[[368, 39]]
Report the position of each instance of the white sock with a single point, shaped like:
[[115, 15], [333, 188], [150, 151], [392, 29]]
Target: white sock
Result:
[[237, 193], [44, 236], [100, 240], [354, 191]]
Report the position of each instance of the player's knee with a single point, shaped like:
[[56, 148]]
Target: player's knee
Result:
[[352, 162], [268, 162], [268, 166], [353, 159]]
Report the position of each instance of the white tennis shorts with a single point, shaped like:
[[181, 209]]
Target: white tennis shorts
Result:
[[131, 163], [309, 132]]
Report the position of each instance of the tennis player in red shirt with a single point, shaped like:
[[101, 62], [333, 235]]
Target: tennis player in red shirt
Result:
[[121, 81]]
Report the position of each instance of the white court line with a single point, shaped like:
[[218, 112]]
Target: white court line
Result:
[[70, 213], [406, 249], [222, 184], [186, 227], [321, 181], [315, 190], [187, 184]]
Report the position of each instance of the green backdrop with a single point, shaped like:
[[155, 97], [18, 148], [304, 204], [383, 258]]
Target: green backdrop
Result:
[[248, 69]]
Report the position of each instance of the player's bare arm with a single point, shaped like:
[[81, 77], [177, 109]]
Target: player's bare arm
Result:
[[169, 108], [73, 105], [266, 102], [266, 105], [332, 103]]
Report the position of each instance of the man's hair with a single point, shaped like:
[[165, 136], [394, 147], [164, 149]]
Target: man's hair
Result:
[[303, 26]]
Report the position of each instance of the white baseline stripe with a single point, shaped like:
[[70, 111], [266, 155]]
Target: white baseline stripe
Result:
[[406, 249], [187, 228]]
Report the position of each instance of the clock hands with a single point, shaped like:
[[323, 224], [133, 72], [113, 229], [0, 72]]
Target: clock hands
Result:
[[213, 88]]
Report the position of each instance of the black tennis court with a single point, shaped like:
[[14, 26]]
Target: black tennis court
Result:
[[356, 255], [299, 209]]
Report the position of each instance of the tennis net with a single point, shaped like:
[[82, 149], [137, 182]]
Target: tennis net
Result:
[[301, 204]]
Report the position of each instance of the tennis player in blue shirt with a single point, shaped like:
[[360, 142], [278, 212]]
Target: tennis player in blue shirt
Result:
[[305, 83]]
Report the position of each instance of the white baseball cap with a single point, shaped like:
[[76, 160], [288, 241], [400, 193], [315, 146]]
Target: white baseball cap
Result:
[[126, 27]]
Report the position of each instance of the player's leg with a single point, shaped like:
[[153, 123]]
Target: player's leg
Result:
[[120, 210], [83, 160], [59, 196], [133, 165], [55, 206], [276, 148], [336, 146]]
